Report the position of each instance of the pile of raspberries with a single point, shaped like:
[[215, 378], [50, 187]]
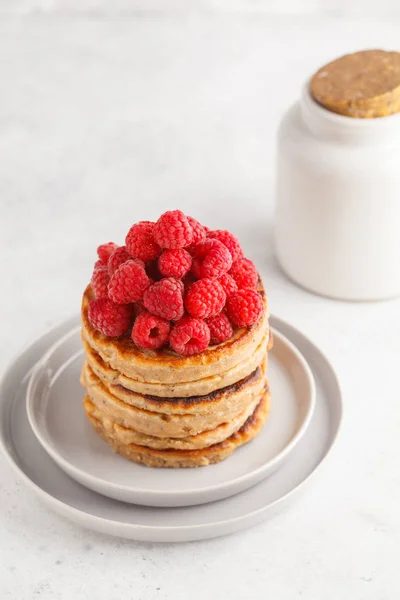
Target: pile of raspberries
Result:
[[177, 282]]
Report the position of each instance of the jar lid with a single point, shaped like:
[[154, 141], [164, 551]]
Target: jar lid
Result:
[[362, 85]]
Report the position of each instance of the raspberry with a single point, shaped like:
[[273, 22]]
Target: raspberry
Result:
[[99, 265], [99, 281], [110, 319], [229, 241], [220, 328], [128, 282], [165, 299], [119, 256], [245, 307], [173, 230], [212, 259], [140, 241], [199, 232], [175, 263], [150, 331], [105, 250], [205, 298], [228, 284], [189, 336], [244, 273]]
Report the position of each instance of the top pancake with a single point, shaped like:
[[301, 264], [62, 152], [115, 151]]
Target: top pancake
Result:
[[165, 366]]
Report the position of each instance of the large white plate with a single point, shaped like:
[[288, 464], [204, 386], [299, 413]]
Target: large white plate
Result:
[[70, 499], [54, 405]]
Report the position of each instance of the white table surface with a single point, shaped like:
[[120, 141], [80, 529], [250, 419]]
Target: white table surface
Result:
[[105, 121]]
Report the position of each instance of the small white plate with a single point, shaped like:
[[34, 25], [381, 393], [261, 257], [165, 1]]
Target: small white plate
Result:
[[54, 406], [86, 508]]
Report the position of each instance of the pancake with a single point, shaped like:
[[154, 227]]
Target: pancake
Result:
[[181, 417], [125, 436], [217, 401], [175, 458], [147, 368], [206, 385]]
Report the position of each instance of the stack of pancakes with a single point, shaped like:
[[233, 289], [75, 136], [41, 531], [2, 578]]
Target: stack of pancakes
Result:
[[165, 410]]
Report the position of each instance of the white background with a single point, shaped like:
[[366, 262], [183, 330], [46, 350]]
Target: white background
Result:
[[111, 112], [106, 7]]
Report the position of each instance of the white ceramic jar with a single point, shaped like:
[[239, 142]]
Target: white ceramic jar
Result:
[[338, 202]]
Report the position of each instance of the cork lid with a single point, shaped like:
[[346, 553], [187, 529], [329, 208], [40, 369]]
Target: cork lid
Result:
[[363, 85]]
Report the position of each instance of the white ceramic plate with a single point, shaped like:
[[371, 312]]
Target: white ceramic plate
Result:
[[81, 505], [54, 405]]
